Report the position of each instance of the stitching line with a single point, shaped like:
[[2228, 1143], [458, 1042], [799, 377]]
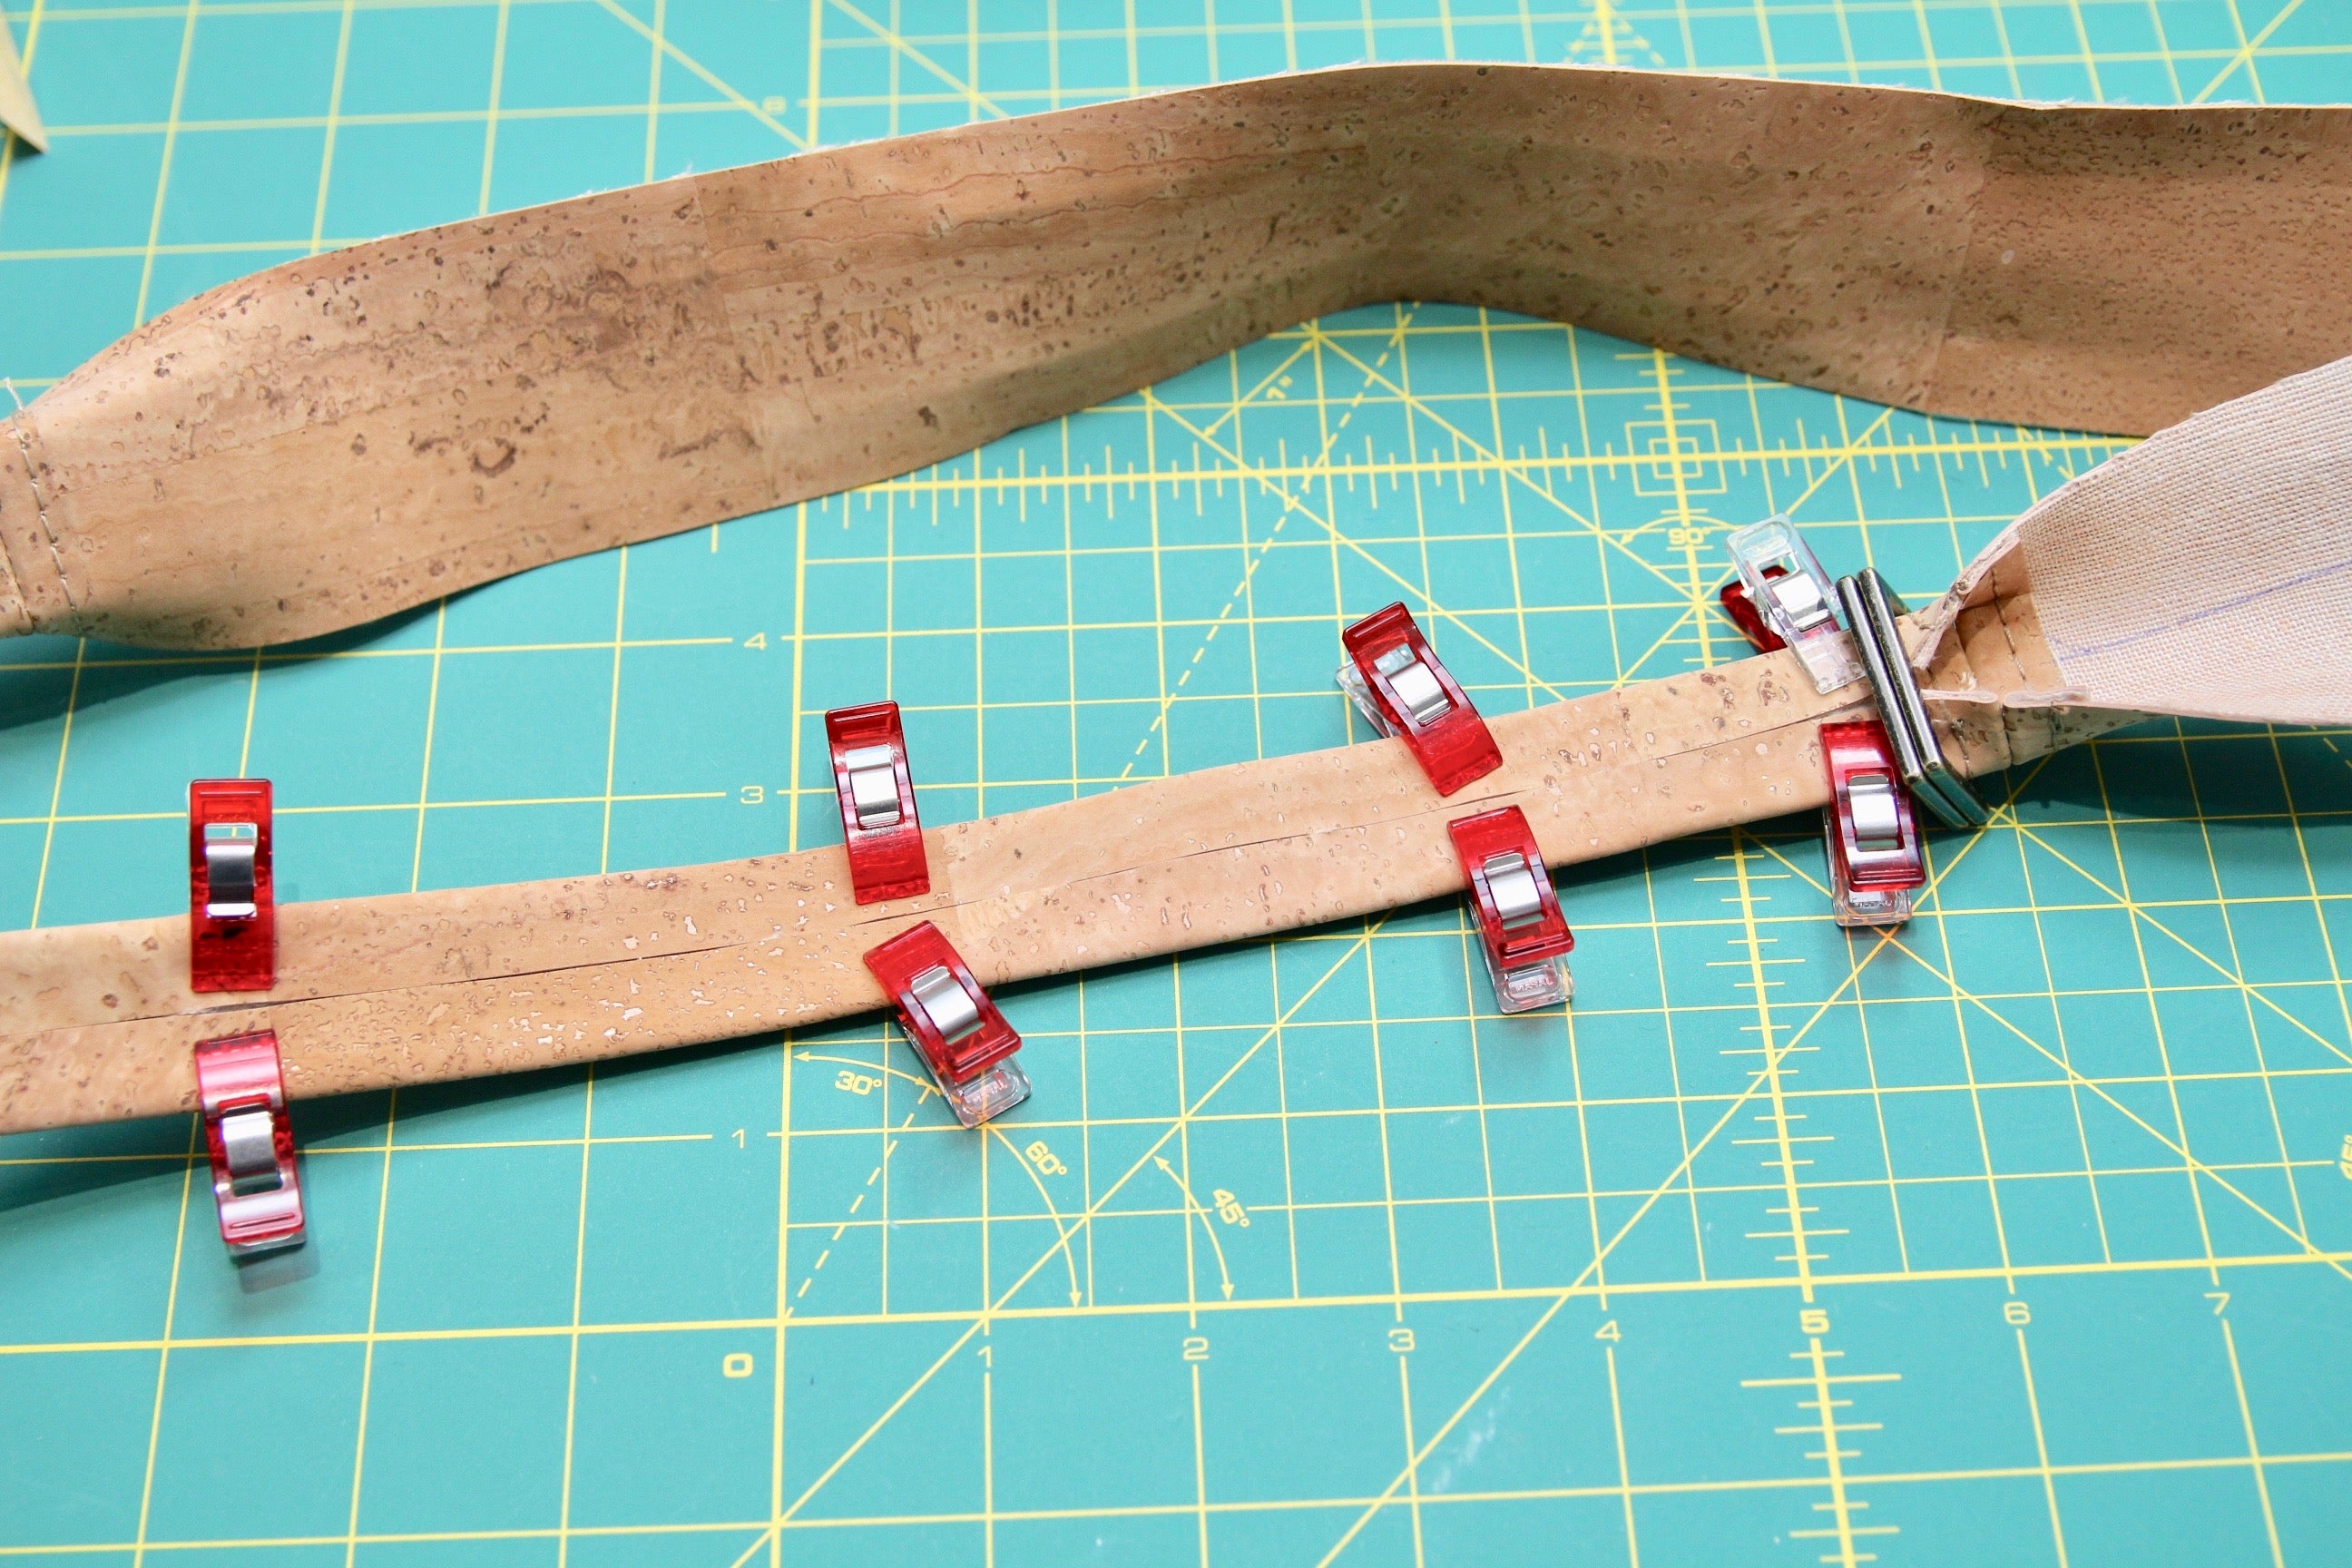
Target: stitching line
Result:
[[40, 503]]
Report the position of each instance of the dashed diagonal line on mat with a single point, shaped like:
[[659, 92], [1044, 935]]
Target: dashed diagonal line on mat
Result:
[[1318, 466], [1291, 503], [1084, 1218]]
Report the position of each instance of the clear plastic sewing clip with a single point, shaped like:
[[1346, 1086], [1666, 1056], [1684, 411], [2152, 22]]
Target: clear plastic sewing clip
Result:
[[1793, 594]]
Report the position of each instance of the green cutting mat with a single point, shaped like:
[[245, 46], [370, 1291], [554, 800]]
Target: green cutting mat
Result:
[[2021, 1235]]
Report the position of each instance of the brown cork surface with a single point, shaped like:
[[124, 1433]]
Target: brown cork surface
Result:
[[347, 436], [96, 1022]]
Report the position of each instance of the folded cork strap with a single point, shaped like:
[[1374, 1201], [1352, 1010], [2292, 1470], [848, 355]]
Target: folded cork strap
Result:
[[418, 987], [347, 436], [2200, 572]]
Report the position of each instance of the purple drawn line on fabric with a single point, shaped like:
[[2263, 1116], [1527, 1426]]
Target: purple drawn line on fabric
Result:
[[2228, 606]]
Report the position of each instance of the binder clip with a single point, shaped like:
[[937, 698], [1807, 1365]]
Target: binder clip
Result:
[[1869, 834], [1527, 939], [878, 825], [1403, 691], [1871, 608], [232, 892], [956, 1029], [241, 1091], [1793, 599]]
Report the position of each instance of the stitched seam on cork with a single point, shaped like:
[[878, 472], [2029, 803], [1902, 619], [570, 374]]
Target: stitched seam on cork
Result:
[[40, 503], [2010, 718], [8, 566], [11, 591]]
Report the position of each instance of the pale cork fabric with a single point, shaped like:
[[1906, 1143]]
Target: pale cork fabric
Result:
[[348, 435], [2197, 573]]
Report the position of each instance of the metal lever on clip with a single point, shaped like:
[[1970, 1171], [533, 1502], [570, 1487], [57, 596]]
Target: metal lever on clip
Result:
[[1870, 610]]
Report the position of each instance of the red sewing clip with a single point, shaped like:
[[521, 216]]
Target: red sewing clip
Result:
[[241, 1089], [878, 825], [955, 1028], [1873, 840], [232, 893], [1402, 690], [1747, 616], [1527, 940]]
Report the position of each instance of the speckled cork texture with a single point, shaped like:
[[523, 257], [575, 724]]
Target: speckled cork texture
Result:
[[98, 1021], [348, 436]]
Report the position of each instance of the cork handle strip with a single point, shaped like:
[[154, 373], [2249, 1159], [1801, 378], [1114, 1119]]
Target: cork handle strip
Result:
[[98, 1021], [349, 435]]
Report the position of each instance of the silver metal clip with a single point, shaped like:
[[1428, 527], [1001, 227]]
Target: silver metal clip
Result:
[[1415, 687], [1870, 610], [874, 785], [1513, 883], [229, 852], [946, 1004], [250, 1143]]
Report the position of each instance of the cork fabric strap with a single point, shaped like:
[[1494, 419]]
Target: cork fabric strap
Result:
[[346, 435]]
